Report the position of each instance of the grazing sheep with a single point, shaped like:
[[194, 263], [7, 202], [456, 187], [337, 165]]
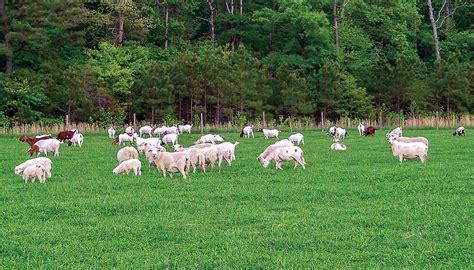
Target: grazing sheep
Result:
[[269, 133], [297, 138], [410, 150], [127, 153], [151, 141], [173, 162], [185, 128], [46, 162], [130, 131], [170, 138], [209, 138], [227, 151], [338, 146], [213, 154], [272, 147], [45, 146], [246, 131], [77, 139], [396, 131], [288, 153], [340, 133], [32, 141], [361, 129], [196, 155], [409, 139], [129, 165], [460, 131], [369, 131], [145, 130], [111, 132], [125, 137], [33, 171]]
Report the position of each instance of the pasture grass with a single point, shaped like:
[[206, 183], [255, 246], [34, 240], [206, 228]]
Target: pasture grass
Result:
[[357, 208]]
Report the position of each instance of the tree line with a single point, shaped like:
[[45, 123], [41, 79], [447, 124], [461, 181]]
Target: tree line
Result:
[[176, 59]]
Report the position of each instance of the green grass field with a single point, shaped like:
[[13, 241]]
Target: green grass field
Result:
[[357, 208]]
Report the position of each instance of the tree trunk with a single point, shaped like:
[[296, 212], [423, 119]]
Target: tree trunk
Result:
[[272, 29], [152, 115], [6, 38], [435, 31], [447, 10], [336, 24], [241, 103], [211, 19], [166, 25], [121, 17], [241, 42], [191, 107]]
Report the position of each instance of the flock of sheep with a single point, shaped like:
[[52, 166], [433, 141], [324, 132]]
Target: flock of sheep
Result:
[[209, 150]]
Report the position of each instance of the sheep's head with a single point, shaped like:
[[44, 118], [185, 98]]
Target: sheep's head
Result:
[[18, 170], [265, 163]]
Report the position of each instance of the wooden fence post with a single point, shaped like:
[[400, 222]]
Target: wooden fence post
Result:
[[291, 126], [202, 125], [264, 120], [322, 121], [380, 120], [134, 120], [67, 122], [437, 115]]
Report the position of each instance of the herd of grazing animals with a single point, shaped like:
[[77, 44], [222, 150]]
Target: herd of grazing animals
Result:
[[209, 150]]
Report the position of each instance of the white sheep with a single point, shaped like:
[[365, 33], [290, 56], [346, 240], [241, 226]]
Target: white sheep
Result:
[[196, 155], [45, 146], [185, 128], [173, 162], [410, 139], [77, 139], [33, 171], [150, 151], [46, 162], [127, 153], [209, 138], [288, 153], [410, 150], [129, 165], [151, 141], [111, 132], [145, 130], [297, 138], [338, 146], [269, 133], [125, 137], [170, 138], [272, 147], [361, 129], [213, 154], [246, 131], [227, 150], [396, 131]]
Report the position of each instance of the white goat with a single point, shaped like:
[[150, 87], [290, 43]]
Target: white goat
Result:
[[125, 137], [340, 133], [159, 130], [77, 139], [269, 133], [361, 129], [127, 153], [227, 150], [460, 131], [129, 165], [46, 162], [111, 132], [145, 130], [185, 128], [332, 131], [45, 146], [170, 138], [288, 153], [130, 130], [411, 150], [33, 171], [246, 131], [297, 138]]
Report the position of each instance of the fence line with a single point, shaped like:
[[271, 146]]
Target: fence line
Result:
[[432, 121]]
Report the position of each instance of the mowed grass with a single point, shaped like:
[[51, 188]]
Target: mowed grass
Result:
[[357, 208]]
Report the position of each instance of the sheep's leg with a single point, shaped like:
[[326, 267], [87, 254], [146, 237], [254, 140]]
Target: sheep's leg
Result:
[[401, 158], [203, 165], [229, 161], [252, 135], [194, 167], [25, 179], [296, 164]]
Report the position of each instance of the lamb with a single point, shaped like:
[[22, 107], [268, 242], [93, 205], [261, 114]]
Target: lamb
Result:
[[209, 138], [246, 131], [125, 137], [396, 131], [151, 141], [45, 146], [185, 128], [33, 171], [78, 139], [410, 150], [127, 153], [460, 131], [338, 146], [269, 133], [272, 147], [297, 138], [46, 162], [172, 162], [170, 138], [340, 133], [369, 131], [111, 132], [32, 141], [408, 139], [196, 155], [130, 131], [361, 129], [129, 165], [288, 153], [146, 130]]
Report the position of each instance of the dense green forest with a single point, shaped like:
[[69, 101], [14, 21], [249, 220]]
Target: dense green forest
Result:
[[175, 59]]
